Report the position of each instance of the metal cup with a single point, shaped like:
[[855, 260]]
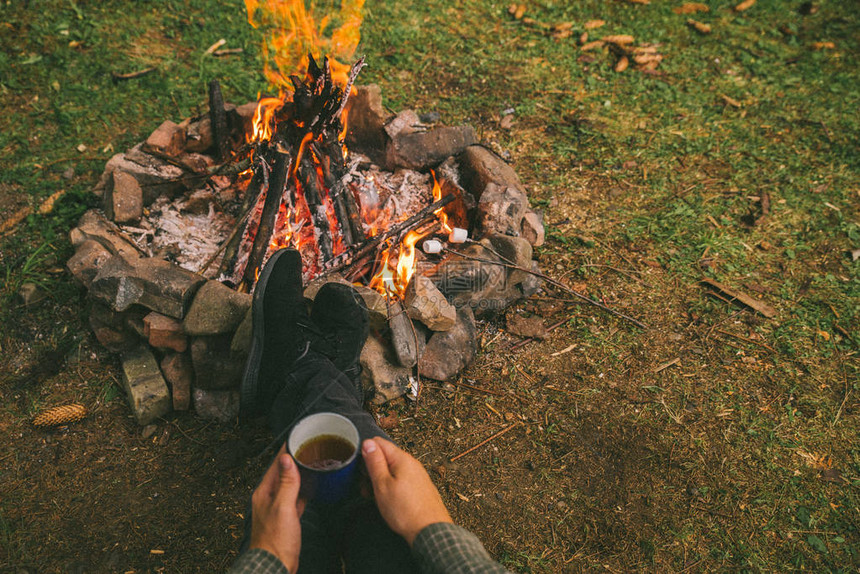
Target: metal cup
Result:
[[331, 484]]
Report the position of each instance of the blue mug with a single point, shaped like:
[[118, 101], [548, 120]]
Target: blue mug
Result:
[[325, 447]]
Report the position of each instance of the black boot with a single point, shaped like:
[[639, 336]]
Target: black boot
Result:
[[341, 315], [282, 332]]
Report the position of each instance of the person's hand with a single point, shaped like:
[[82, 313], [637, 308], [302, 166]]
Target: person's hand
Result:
[[276, 511], [405, 495]]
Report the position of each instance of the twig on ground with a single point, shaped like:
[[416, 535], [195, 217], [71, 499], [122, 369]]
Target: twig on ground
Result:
[[131, 75], [746, 339], [555, 283], [489, 392], [672, 415], [667, 364], [485, 441], [743, 298]]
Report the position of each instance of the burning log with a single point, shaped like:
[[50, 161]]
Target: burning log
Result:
[[274, 196], [351, 259]]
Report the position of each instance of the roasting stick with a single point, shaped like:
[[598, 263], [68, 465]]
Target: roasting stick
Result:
[[552, 282]]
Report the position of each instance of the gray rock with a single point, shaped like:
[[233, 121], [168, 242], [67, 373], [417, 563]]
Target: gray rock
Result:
[[246, 112], [147, 392], [480, 167], [425, 303], [167, 139], [515, 250], [240, 345], [531, 284], [449, 352], [94, 227], [198, 135], [532, 228], [404, 123], [312, 288], [123, 198], [380, 373], [179, 372], [216, 309], [153, 283], [215, 367], [156, 177], [366, 121], [403, 337], [377, 307], [480, 285], [422, 150], [501, 210], [222, 406]]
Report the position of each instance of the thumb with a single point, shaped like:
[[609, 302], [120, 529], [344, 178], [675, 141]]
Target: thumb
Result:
[[374, 459], [289, 479]]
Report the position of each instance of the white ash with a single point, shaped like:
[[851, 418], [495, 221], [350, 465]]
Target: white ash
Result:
[[189, 239], [387, 197]]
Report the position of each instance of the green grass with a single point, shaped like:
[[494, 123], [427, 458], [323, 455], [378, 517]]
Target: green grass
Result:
[[700, 164]]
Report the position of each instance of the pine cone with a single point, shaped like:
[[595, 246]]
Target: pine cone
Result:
[[60, 415]]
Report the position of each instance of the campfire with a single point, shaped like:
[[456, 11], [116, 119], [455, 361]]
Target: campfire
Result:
[[430, 227]]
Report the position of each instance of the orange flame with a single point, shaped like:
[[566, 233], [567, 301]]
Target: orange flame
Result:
[[406, 261], [292, 31], [263, 118], [440, 213]]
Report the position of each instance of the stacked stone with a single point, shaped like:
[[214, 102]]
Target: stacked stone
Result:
[[184, 339]]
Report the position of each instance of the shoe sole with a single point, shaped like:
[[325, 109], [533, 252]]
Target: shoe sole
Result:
[[249, 390]]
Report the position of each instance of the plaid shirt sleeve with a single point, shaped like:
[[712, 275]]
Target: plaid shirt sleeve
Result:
[[258, 561], [444, 548]]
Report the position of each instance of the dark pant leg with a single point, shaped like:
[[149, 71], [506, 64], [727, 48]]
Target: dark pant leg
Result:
[[370, 546], [353, 529], [317, 386]]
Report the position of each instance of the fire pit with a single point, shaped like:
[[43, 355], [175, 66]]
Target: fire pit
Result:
[[432, 229]]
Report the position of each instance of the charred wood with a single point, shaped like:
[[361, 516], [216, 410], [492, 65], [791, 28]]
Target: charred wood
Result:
[[351, 258], [274, 196], [218, 118], [309, 180]]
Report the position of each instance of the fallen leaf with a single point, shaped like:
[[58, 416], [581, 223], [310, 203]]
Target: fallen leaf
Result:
[[691, 8], [592, 45], [618, 39], [48, 205], [622, 64], [699, 27], [517, 10], [643, 2], [731, 101], [824, 335], [823, 46], [745, 5], [592, 24], [643, 59], [507, 122]]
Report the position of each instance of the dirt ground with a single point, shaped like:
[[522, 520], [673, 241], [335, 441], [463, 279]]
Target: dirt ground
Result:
[[595, 466]]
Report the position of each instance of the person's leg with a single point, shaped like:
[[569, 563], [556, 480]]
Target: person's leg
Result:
[[324, 389]]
